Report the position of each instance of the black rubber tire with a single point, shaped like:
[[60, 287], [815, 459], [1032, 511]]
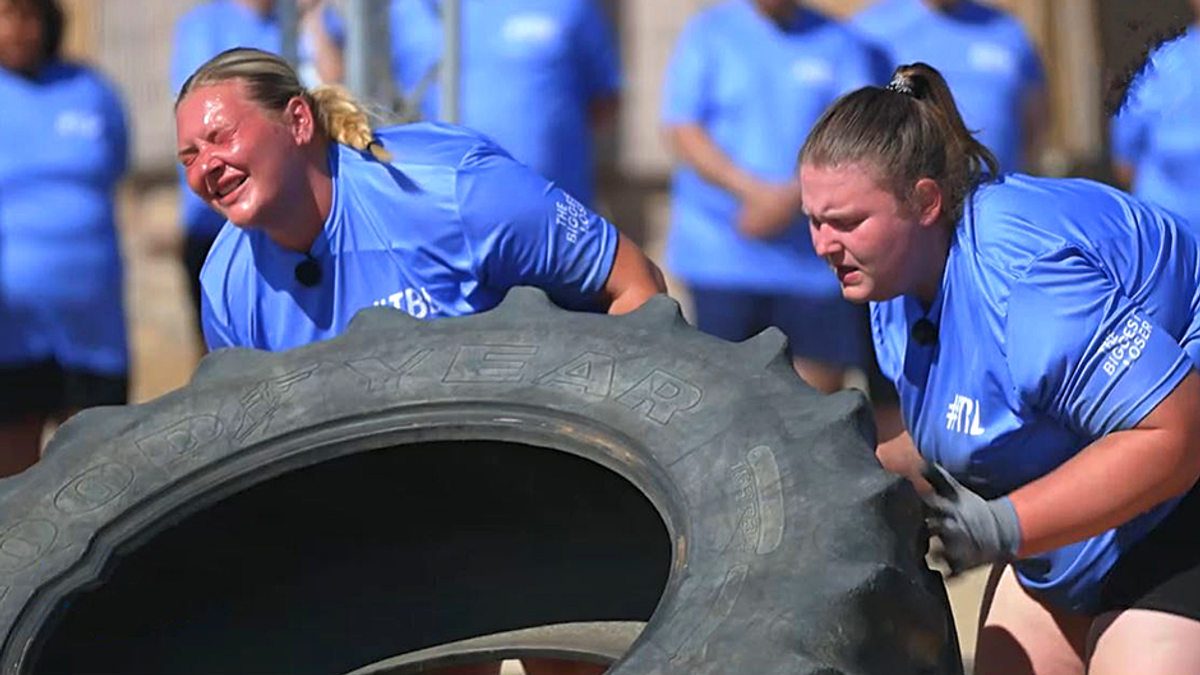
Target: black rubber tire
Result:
[[782, 546]]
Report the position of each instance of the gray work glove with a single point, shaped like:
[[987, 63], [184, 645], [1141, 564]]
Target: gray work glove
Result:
[[974, 531]]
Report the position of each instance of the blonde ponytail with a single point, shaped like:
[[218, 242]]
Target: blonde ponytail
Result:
[[346, 121], [272, 83]]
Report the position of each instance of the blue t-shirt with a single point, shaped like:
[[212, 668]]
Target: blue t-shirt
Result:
[[984, 54], [444, 230], [1067, 311], [1157, 132], [530, 71], [207, 30], [756, 88], [63, 148]]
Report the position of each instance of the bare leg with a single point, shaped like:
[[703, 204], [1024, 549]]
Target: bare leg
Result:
[[20, 444], [1020, 635], [559, 667], [1145, 642], [822, 376]]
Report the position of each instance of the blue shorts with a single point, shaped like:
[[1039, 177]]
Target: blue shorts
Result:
[[826, 330]]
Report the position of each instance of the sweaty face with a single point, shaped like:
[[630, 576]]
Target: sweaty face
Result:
[[21, 40], [860, 229], [238, 157]]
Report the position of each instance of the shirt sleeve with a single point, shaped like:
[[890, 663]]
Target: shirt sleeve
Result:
[[596, 49], [218, 333], [1082, 352], [522, 230], [688, 80]]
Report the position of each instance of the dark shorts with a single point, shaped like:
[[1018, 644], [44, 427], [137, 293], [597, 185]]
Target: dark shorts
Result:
[[827, 330], [46, 389], [1162, 571]]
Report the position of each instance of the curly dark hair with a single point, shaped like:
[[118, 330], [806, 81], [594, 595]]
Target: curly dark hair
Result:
[[1117, 90]]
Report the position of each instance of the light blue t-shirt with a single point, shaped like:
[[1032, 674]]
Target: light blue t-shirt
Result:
[[1067, 311], [756, 88], [530, 71], [444, 230], [63, 148], [985, 55], [205, 31], [1157, 131]]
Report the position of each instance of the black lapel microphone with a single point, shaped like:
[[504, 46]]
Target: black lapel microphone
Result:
[[308, 271], [924, 332]]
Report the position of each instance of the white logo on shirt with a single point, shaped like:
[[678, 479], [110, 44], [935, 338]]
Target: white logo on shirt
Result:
[[530, 28], [415, 302], [81, 123], [991, 58], [963, 416], [811, 71], [1125, 344], [571, 216]]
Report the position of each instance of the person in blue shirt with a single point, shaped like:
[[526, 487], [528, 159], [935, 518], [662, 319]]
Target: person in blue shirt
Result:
[[746, 82], [985, 54], [538, 76], [63, 149], [327, 217], [1043, 335], [1156, 134]]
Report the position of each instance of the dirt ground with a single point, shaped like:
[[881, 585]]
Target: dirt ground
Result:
[[165, 346]]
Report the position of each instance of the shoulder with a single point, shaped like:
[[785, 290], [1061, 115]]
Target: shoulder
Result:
[[1000, 22], [81, 78], [1019, 219], [436, 144]]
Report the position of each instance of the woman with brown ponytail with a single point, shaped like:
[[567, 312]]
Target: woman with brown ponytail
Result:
[[327, 216], [1043, 336]]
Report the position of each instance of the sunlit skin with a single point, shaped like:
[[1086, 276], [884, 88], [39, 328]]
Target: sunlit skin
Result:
[[22, 43], [257, 168], [879, 247], [777, 10]]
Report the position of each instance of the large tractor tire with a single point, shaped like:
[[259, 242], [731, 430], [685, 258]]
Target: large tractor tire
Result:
[[412, 484]]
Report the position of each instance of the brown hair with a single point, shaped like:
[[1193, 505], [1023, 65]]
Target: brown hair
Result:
[[909, 130], [271, 83]]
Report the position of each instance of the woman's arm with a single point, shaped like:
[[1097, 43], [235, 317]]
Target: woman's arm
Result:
[[633, 280], [1117, 477]]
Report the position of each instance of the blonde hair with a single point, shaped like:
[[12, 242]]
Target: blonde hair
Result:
[[271, 82], [910, 129]]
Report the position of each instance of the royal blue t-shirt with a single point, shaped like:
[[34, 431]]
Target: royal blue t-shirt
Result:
[[984, 54], [756, 88], [530, 71], [1067, 311], [1157, 131], [444, 230], [207, 30], [63, 148]]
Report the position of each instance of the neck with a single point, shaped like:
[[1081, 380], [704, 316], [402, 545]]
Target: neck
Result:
[[941, 5], [261, 7], [297, 225], [778, 12], [929, 282]]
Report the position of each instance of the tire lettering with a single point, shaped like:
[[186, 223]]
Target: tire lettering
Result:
[[380, 375], [25, 543], [180, 439], [589, 373], [490, 363], [94, 488], [660, 395], [260, 404]]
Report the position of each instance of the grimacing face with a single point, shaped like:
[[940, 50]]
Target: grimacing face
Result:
[[22, 36], [861, 230], [239, 158]]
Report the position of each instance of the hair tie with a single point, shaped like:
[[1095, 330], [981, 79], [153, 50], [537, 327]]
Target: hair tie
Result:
[[901, 86]]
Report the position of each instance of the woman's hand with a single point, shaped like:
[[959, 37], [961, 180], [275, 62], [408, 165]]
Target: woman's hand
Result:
[[974, 531]]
